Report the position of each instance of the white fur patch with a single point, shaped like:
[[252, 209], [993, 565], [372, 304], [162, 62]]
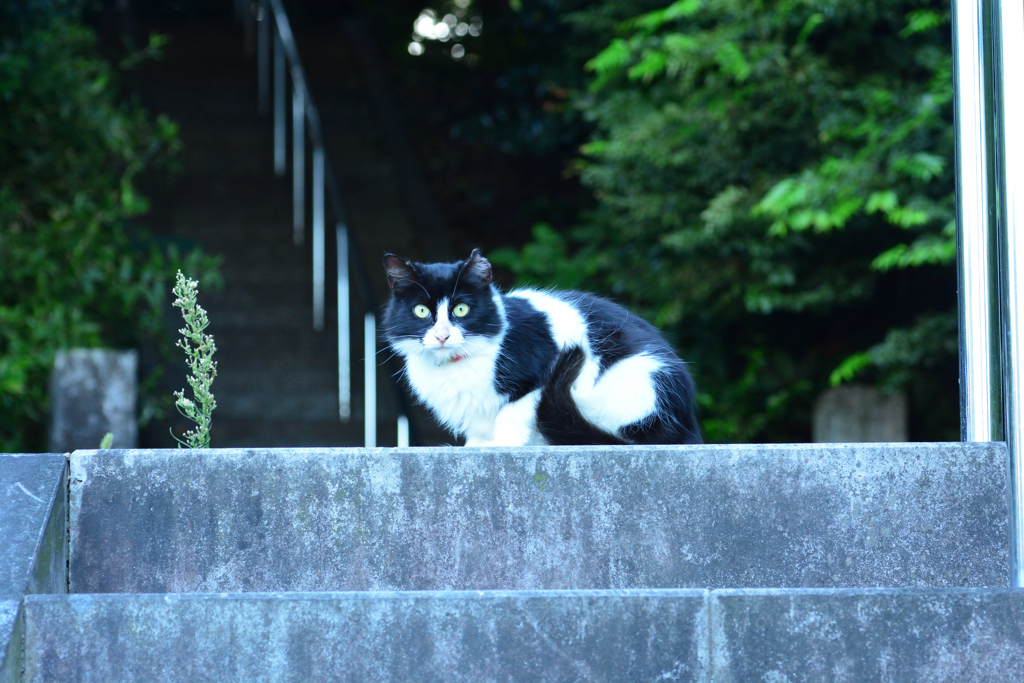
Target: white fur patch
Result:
[[625, 393], [461, 393], [567, 324], [515, 424]]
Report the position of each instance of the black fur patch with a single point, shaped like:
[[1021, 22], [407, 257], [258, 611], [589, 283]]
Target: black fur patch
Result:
[[559, 420], [527, 352]]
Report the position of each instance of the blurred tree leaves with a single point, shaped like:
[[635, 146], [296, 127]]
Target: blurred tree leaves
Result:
[[773, 186], [71, 150]]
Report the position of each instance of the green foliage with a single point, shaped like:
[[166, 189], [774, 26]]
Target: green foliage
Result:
[[199, 349], [774, 187], [71, 150]]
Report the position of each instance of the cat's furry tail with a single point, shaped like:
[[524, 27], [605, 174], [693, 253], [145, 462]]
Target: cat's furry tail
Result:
[[559, 419]]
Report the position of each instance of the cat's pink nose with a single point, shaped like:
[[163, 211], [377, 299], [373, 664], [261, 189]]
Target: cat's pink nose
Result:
[[441, 336]]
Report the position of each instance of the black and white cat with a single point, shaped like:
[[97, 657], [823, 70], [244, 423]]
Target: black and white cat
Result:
[[533, 367]]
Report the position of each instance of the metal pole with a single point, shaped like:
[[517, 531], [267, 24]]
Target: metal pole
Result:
[[370, 381], [280, 150], [250, 17], [1008, 51], [264, 58], [980, 382], [298, 165], [403, 431], [344, 335], [318, 238]]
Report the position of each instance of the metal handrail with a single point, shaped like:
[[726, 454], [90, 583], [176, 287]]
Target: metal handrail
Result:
[[305, 116], [988, 57]]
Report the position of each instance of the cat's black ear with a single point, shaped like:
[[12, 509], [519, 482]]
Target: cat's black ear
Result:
[[478, 268], [400, 272]]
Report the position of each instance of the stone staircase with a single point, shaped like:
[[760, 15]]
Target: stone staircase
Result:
[[277, 382], [828, 562]]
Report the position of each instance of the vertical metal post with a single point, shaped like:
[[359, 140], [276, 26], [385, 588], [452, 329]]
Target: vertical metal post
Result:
[[280, 143], [249, 19], [370, 381], [977, 253], [318, 238], [298, 165], [344, 335], [1008, 53], [403, 431], [264, 58]]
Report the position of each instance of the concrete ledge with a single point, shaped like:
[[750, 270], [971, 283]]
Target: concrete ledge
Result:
[[33, 524], [939, 636], [539, 518], [461, 636]]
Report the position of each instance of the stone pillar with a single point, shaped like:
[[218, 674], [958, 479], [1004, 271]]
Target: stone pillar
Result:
[[854, 413], [92, 392]]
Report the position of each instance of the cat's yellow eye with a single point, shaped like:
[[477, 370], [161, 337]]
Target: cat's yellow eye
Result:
[[421, 311], [460, 310]]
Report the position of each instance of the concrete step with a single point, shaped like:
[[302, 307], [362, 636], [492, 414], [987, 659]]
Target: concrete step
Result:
[[416, 636], [725, 636], [867, 635], [822, 515]]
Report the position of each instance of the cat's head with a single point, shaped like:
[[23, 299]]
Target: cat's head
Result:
[[447, 311]]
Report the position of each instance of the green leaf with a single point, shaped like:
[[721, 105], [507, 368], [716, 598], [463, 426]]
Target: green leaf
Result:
[[611, 59], [928, 250], [813, 22], [884, 201], [732, 61], [609, 62], [921, 165], [923, 20], [850, 368], [652, 64], [652, 21]]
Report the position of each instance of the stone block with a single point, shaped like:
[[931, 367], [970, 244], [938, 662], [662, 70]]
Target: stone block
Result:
[[851, 414], [419, 636], [539, 518], [939, 636], [93, 392], [33, 524], [33, 534]]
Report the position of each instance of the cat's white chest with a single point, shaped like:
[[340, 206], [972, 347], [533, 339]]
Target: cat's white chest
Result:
[[461, 394]]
